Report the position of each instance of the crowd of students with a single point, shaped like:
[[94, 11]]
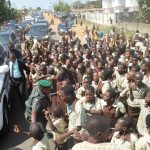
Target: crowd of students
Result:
[[99, 90]]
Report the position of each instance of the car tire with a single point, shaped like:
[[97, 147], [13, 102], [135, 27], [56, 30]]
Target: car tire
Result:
[[6, 123]]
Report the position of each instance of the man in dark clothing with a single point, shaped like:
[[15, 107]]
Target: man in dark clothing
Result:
[[15, 51], [17, 78]]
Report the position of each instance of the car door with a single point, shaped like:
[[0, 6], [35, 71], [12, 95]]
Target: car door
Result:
[[4, 61]]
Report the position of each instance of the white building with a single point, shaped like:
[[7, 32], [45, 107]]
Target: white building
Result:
[[112, 12], [118, 6]]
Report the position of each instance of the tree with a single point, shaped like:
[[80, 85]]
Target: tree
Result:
[[62, 7], [94, 4], [7, 12], [77, 5], [87, 5], [38, 8], [144, 11], [25, 10]]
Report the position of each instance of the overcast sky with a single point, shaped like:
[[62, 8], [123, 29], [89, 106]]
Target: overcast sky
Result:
[[45, 4]]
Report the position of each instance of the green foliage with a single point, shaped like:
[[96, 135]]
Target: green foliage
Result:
[[77, 5], [62, 7], [7, 12], [98, 4], [38, 9], [87, 5], [144, 11]]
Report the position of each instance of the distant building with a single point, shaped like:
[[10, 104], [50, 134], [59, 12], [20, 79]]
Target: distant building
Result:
[[112, 12], [119, 6]]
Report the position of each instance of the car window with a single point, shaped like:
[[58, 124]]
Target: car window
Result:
[[37, 29], [2, 55], [4, 38], [13, 37], [62, 26]]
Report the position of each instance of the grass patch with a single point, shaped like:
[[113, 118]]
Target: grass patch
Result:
[[107, 29]]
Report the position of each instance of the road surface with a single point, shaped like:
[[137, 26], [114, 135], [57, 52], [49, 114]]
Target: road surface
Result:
[[19, 142]]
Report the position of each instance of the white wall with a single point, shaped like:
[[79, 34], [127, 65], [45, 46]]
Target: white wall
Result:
[[119, 5], [100, 18], [131, 3]]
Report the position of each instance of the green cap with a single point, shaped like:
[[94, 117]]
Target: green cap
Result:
[[45, 83]]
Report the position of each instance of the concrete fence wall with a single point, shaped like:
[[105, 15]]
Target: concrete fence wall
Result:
[[103, 18], [143, 28]]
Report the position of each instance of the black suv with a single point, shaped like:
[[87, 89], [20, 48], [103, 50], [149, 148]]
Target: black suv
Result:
[[9, 36], [5, 102]]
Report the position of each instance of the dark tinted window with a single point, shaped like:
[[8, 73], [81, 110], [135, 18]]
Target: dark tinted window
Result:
[[37, 29], [4, 38], [2, 55], [13, 37]]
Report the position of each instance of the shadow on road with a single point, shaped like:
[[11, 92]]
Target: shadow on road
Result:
[[16, 118]]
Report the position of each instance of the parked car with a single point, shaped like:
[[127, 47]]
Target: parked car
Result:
[[43, 21], [24, 23], [11, 21], [62, 28], [69, 21], [5, 102], [9, 36], [11, 26], [29, 18], [38, 31]]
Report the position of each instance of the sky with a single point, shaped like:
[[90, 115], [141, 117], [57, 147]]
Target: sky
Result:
[[44, 4]]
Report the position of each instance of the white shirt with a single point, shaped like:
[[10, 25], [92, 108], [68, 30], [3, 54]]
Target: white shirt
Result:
[[39, 146], [44, 144], [143, 143], [35, 45], [14, 69]]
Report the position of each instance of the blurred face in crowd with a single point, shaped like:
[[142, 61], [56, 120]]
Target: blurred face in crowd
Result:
[[12, 57], [43, 70], [144, 68], [95, 77], [86, 82], [112, 62], [64, 97], [138, 79], [121, 69], [45, 91], [89, 94], [107, 97], [134, 61], [89, 71], [56, 57], [35, 59], [130, 76], [128, 54], [68, 64], [119, 125], [99, 65]]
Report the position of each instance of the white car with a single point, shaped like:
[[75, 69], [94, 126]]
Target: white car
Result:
[[4, 92]]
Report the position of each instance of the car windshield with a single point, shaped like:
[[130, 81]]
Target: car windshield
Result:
[[4, 38], [43, 21], [23, 24], [10, 25], [62, 26], [37, 29]]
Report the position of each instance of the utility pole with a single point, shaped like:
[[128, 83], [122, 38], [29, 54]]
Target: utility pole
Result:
[[78, 9]]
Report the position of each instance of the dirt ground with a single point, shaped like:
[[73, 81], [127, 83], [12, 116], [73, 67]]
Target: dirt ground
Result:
[[77, 28]]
